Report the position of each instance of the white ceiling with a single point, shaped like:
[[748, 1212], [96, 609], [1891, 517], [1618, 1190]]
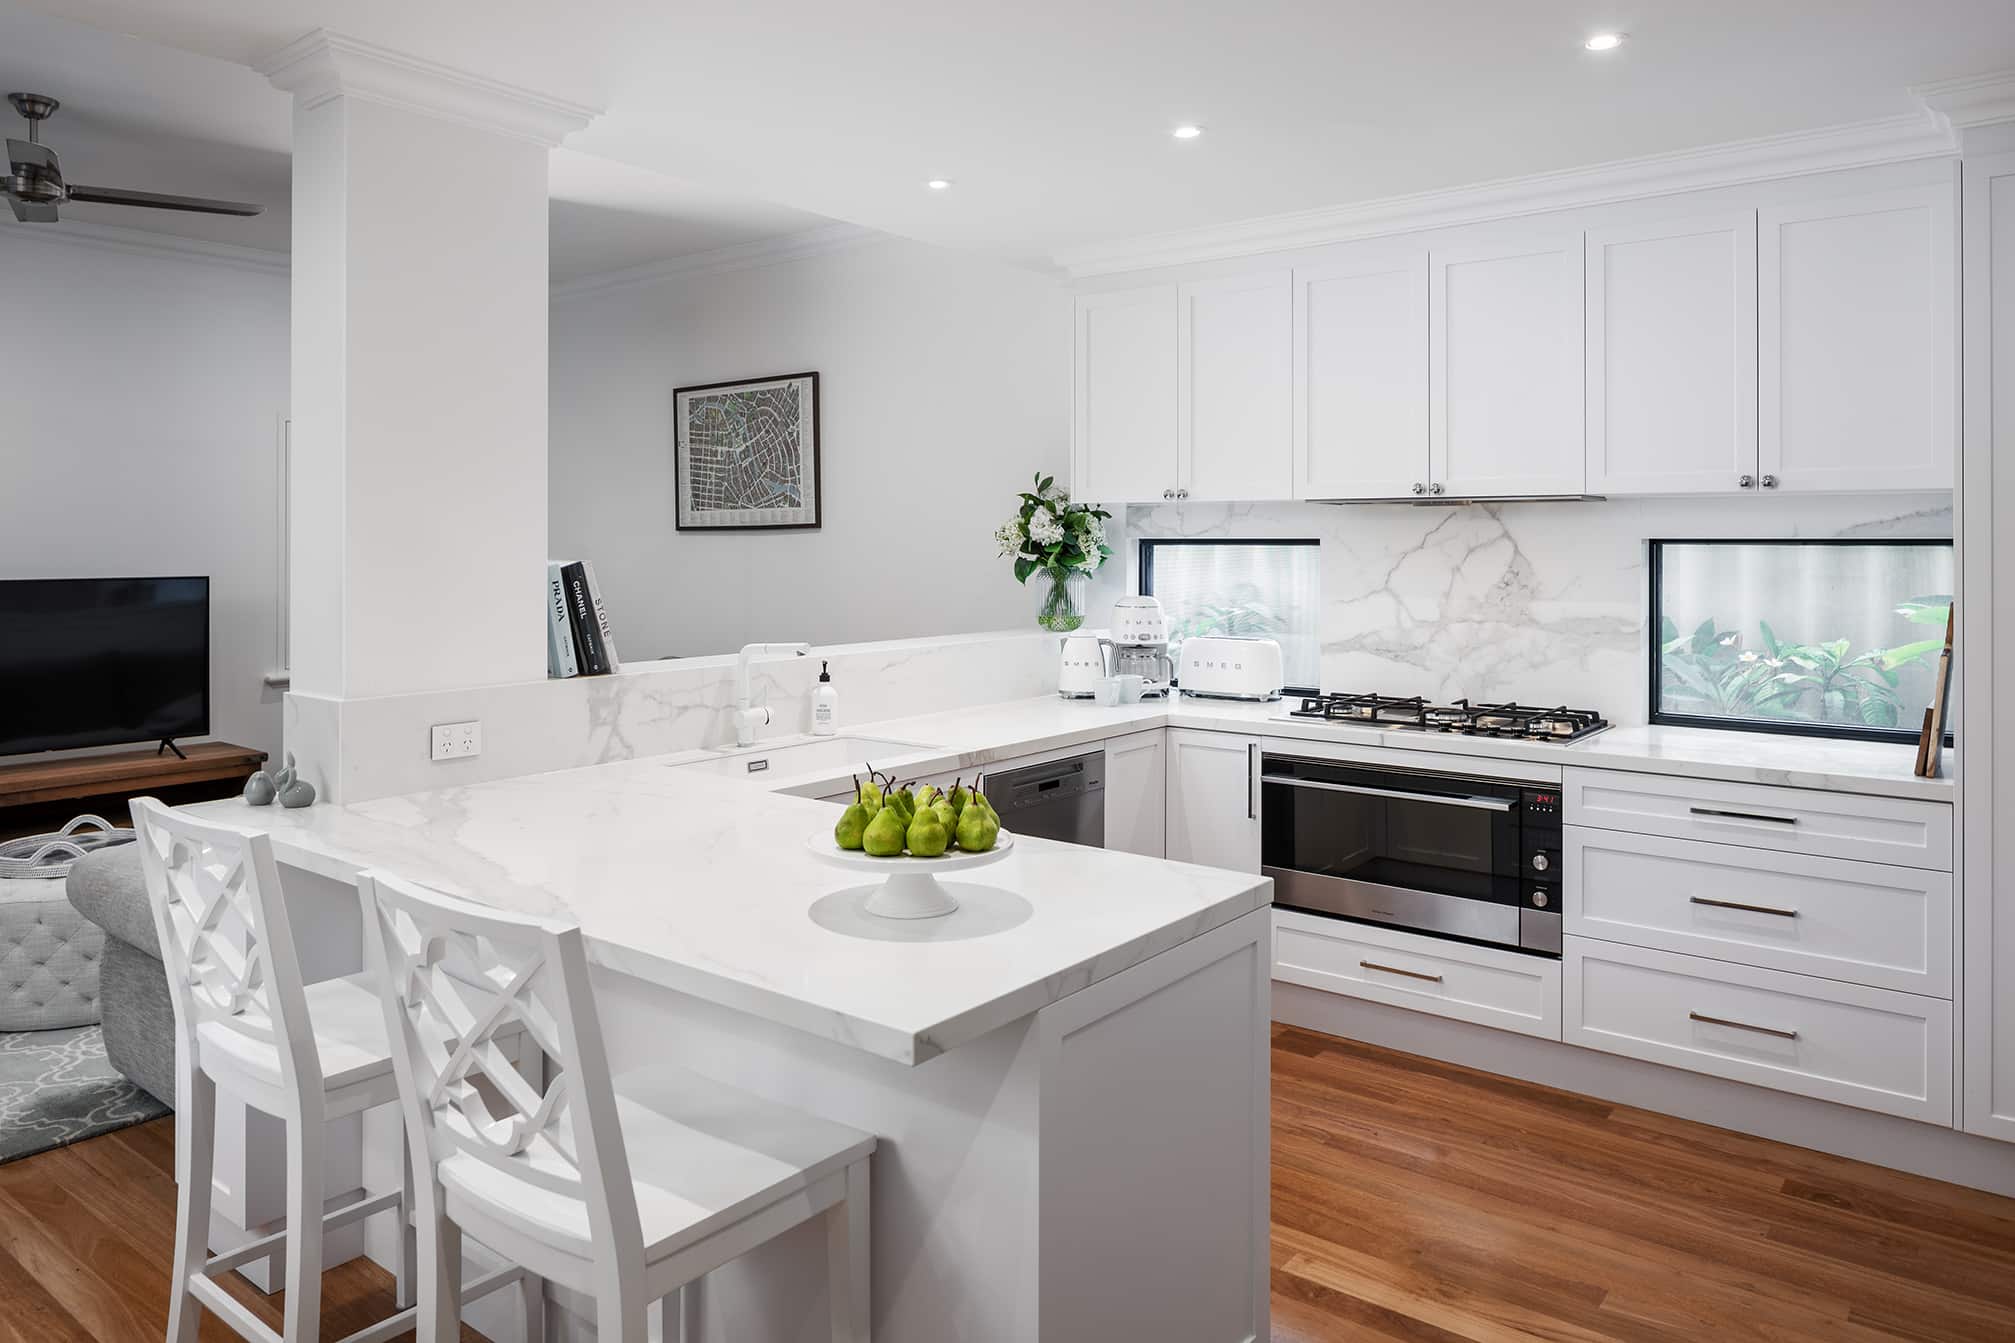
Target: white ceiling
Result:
[[139, 115], [1052, 116]]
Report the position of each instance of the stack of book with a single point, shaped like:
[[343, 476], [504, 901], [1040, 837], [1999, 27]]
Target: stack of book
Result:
[[578, 642]]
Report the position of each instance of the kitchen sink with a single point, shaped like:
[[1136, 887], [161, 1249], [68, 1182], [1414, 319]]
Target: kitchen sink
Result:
[[837, 755]]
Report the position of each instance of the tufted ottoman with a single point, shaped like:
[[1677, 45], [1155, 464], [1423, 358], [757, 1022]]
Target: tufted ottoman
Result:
[[49, 956], [107, 888]]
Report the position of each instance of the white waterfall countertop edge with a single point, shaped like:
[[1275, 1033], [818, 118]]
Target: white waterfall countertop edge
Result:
[[703, 885]]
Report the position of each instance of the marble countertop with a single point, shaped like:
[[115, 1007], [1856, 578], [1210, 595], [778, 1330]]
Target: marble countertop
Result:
[[974, 738], [705, 885]]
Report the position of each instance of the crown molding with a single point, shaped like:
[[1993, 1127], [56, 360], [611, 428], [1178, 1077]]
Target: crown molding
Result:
[[138, 242], [826, 238], [1972, 101], [323, 65], [1861, 144]]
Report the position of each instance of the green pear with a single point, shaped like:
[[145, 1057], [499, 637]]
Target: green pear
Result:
[[870, 796], [905, 804], [926, 795], [977, 830], [960, 795], [947, 817], [988, 807], [927, 834], [853, 824], [884, 836]]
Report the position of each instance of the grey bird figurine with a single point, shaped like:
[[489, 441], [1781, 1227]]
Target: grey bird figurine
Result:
[[260, 790], [294, 791]]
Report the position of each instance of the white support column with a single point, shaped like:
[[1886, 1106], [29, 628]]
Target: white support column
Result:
[[420, 297], [1981, 110]]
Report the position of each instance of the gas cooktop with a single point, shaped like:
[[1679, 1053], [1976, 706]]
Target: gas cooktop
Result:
[[1510, 720]]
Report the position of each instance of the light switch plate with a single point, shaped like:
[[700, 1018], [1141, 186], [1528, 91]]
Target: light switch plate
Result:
[[454, 741]]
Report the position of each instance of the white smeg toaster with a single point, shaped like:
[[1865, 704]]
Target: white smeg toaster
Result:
[[1216, 667]]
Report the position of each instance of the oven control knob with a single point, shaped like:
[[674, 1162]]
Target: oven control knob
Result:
[[1539, 899], [1540, 862]]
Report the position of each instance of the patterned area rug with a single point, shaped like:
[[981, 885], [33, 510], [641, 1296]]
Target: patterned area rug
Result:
[[56, 1088]]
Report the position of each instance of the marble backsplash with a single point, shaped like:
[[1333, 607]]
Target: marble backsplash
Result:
[[1543, 602], [355, 750]]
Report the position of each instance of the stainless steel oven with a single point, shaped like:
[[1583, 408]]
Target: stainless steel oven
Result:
[[1450, 855]]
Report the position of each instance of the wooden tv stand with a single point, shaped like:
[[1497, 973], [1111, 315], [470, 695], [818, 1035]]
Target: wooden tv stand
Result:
[[40, 795]]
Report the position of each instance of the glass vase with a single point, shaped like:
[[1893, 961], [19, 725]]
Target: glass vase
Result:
[[1063, 599]]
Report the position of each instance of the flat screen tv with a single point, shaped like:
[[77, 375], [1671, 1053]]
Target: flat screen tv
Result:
[[94, 661]]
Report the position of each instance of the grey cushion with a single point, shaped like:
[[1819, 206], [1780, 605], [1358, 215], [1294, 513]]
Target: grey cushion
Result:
[[139, 1019], [49, 956], [108, 888]]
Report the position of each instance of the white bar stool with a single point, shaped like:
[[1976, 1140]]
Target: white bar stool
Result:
[[623, 1189], [306, 1054]]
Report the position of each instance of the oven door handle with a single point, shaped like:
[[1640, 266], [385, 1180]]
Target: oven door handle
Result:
[[1449, 799]]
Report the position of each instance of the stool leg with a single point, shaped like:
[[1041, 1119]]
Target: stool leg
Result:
[[440, 1316], [195, 1153], [408, 1276], [303, 1315], [847, 1266], [532, 1293]]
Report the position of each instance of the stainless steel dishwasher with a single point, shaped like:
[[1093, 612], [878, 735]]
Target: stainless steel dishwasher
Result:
[[1063, 799]]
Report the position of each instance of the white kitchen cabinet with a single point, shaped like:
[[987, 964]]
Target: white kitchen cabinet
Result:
[[1482, 985], [1670, 338], [1504, 368], [1234, 422], [1136, 792], [1360, 376], [1872, 1048], [1858, 342], [1123, 403], [1213, 799]]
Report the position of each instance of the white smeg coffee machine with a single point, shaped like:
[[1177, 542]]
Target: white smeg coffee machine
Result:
[[1140, 644]]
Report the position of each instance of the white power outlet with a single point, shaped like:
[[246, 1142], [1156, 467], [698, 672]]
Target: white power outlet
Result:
[[453, 741]]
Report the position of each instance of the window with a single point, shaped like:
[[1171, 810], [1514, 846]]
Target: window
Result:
[[1250, 589], [1828, 638]]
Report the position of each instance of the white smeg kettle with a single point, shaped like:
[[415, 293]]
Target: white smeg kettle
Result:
[[1083, 666]]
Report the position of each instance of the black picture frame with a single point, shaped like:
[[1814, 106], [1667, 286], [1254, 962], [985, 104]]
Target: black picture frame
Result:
[[680, 454], [1654, 646]]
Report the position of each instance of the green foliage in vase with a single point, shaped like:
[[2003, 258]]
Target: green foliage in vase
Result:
[[1711, 672], [1050, 534]]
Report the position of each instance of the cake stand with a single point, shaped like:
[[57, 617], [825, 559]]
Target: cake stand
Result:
[[910, 889]]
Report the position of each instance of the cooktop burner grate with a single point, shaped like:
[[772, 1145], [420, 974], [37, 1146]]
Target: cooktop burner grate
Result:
[[1510, 719]]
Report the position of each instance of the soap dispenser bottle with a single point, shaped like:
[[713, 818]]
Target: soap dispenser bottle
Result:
[[825, 704]]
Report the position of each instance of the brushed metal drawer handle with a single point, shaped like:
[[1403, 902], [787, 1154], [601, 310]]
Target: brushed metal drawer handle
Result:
[[1395, 970], [1743, 815], [1750, 909], [1743, 1026]]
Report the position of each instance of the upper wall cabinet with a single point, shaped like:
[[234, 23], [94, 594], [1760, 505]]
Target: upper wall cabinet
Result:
[[1124, 394], [1233, 425], [1671, 346], [1360, 377], [1858, 330], [1504, 368]]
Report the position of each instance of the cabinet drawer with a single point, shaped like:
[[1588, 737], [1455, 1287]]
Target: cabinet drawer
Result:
[[1866, 923], [1476, 984], [1793, 820], [1872, 1048]]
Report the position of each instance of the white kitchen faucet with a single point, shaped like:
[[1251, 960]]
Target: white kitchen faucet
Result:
[[748, 719]]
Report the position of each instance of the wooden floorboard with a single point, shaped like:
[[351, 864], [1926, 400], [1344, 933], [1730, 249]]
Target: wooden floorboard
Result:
[[1414, 1202]]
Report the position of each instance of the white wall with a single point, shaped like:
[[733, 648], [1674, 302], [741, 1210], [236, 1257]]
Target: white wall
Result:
[[145, 396], [942, 390]]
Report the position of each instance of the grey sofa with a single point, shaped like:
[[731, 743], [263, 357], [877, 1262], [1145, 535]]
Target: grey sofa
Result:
[[107, 887], [49, 958]]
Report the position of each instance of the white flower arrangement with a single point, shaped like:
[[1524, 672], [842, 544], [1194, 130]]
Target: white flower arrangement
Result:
[[1049, 533]]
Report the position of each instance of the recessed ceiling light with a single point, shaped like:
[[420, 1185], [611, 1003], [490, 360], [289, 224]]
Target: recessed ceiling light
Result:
[[939, 184], [1186, 132], [1604, 42]]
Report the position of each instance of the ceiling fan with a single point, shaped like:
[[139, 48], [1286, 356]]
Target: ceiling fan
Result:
[[34, 183]]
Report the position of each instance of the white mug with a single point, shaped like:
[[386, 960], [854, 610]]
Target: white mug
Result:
[[1130, 688], [1105, 690]]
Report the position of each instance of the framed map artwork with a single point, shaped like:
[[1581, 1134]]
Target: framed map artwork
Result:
[[745, 455]]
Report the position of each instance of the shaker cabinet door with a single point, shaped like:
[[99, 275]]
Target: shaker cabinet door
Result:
[[1123, 395]]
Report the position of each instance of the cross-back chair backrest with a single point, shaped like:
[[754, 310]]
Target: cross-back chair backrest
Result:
[[225, 940], [453, 975]]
